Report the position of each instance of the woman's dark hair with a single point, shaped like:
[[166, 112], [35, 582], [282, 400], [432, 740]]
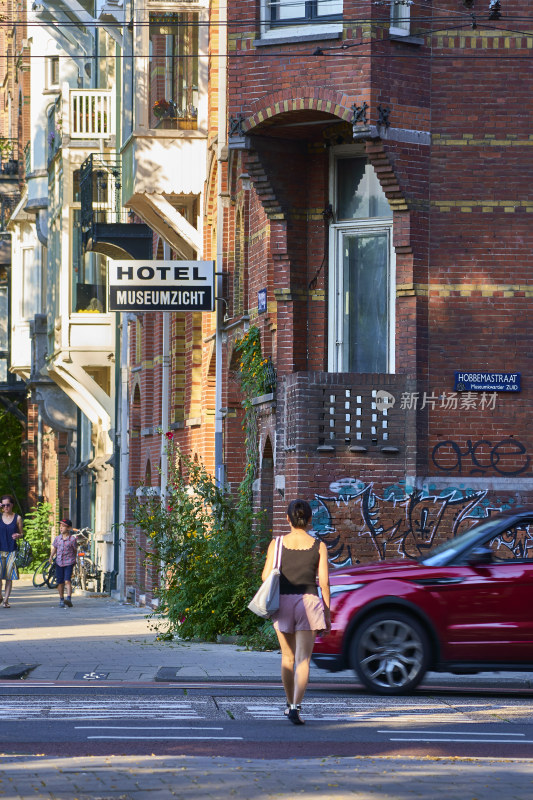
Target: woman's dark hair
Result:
[[299, 513], [8, 497]]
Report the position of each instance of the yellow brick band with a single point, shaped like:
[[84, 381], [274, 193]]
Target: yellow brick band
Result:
[[463, 290], [467, 206], [489, 140]]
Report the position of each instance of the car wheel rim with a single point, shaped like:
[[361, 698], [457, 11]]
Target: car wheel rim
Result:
[[391, 654]]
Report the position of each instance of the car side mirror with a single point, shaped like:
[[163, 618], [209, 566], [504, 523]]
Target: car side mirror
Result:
[[480, 556]]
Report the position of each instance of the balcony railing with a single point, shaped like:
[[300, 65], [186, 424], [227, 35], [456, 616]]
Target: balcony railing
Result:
[[91, 114], [7, 206], [100, 185], [9, 163], [357, 413], [107, 227]]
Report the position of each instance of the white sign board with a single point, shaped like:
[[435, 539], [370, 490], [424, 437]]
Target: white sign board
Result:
[[161, 285]]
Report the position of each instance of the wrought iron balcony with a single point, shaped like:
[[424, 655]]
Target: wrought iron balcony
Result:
[[106, 225], [7, 205], [9, 163]]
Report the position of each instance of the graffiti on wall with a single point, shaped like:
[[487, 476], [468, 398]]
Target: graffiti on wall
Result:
[[357, 523], [507, 457]]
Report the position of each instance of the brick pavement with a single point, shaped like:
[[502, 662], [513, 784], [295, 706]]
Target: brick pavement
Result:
[[215, 778], [100, 634]]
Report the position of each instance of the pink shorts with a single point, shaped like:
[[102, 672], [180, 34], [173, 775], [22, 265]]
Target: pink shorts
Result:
[[299, 612]]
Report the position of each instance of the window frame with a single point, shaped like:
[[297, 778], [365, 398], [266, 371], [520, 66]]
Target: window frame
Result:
[[309, 24], [400, 23], [310, 15], [141, 65], [335, 299], [52, 61]]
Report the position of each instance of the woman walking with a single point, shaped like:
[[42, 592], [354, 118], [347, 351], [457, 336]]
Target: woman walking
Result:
[[302, 614], [10, 531]]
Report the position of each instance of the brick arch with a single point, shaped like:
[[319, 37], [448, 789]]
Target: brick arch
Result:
[[303, 98]]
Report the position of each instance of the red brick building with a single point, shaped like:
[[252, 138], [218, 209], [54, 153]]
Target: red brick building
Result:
[[379, 236]]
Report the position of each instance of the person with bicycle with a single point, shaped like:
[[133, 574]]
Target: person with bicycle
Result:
[[64, 548]]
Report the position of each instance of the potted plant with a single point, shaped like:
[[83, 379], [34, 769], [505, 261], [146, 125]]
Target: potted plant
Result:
[[164, 108]]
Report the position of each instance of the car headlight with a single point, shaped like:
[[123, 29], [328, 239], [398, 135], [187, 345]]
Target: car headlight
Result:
[[345, 587]]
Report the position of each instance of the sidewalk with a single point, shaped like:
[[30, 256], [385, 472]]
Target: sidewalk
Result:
[[216, 778], [100, 635]]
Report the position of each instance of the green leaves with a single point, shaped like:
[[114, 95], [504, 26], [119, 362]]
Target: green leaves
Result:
[[38, 529], [210, 549]]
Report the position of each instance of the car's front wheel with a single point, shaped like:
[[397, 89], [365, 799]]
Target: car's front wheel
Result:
[[390, 652]]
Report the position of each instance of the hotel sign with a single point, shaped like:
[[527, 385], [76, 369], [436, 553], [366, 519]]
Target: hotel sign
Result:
[[161, 285]]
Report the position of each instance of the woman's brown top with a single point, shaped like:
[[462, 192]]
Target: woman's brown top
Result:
[[299, 570]]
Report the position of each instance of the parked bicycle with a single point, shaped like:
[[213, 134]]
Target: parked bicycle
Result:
[[85, 570]]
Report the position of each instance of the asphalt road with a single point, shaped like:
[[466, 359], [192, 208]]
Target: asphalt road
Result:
[[246, 720]]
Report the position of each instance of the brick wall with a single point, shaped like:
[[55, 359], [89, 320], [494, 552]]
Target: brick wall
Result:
[[454, 164]]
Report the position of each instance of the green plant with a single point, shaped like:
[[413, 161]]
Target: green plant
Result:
[[37, 530], [253, 379], [209, 551], [208, 545], [263, 638]]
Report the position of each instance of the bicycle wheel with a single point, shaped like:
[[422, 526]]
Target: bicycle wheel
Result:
[[76, 578], [51, 578], [40, 574], [88, 572]]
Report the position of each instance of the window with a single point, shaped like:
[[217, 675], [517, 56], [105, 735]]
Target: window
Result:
[[285, 12], [52, 72], [173, 76], [31, 288], [362, 285], [88, 274], [400, 17]]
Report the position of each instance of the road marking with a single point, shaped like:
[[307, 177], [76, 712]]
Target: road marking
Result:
[[61, 708], [463, 741], [454, 733], [145, 728], [168, 738]]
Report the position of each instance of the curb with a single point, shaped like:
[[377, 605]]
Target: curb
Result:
[[16, 671]]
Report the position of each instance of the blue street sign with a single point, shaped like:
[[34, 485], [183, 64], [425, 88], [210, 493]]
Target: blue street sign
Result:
[[261, 301], [472, 381]]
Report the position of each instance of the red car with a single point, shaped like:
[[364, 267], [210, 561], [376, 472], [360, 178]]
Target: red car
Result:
[[466, 607]]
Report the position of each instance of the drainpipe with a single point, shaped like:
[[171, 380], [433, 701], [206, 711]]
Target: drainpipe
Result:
[[219, 306], [39, 455], [165, 389]]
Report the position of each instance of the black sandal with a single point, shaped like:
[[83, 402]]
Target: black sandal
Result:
[[294, 715]]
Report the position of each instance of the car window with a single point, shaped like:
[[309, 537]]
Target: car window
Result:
[[514, 544], [446, 552]]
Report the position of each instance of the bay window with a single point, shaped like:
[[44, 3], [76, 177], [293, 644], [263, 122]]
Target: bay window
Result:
[[173, 70]]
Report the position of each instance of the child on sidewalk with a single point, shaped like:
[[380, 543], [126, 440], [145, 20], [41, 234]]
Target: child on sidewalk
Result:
[[64, 549]]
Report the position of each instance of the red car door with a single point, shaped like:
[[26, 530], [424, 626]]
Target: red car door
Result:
[[488, 615]]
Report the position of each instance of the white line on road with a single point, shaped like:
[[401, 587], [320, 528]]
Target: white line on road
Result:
[[145, 728], [168, 738], [453, 733], [463, 741]]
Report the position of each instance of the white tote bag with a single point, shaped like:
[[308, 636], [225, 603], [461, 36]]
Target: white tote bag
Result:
[[266, 600]]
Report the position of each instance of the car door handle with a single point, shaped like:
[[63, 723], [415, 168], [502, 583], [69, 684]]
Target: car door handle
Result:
[[438, 581]]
